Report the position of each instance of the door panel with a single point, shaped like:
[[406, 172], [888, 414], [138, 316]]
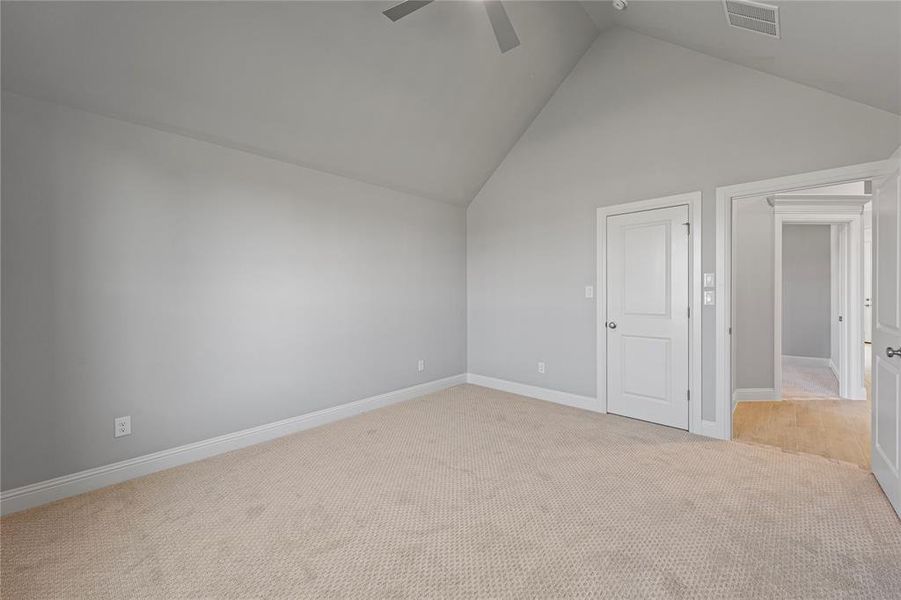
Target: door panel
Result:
[[646, 270], [886, 431], [641, 355], [647, 312], [887, 333]]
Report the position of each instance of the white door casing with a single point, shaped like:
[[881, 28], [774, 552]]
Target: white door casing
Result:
[[886, 417], [647, 315], [844, 214], [721, 425], [868, 285]]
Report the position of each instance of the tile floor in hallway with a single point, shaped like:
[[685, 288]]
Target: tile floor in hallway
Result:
[[811, 418]]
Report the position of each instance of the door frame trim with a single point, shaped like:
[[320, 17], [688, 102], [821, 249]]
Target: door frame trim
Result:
[[693, 200], [724, 197], [845, 216]]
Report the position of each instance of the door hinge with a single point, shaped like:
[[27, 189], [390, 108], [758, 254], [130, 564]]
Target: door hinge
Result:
[[689, 312], [687, 227], [688, 395]]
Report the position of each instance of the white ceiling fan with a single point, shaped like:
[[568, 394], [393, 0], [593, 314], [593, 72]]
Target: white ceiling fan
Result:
[[500, 22]]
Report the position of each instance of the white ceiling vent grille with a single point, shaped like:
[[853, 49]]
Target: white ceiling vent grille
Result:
[[753, 16]]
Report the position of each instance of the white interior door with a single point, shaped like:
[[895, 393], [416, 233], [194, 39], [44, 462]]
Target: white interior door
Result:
[[868, 285], [886, 432], [647, 312]]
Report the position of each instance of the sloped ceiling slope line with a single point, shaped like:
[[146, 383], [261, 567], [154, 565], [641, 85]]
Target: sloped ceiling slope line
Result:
[[850, 48], [427, 105]]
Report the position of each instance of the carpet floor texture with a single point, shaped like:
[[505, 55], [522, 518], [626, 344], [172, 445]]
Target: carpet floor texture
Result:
[[801, 382], [469, 493]]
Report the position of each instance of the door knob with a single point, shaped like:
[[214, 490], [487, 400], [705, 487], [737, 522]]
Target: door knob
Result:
[[891, 352], [611, 325]]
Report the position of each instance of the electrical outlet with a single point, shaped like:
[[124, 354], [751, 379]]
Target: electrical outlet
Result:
[[420, 366], [709, 280], [122, 426], [541, 367]]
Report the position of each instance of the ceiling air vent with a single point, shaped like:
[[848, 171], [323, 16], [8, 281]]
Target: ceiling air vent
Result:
[[753, 16]]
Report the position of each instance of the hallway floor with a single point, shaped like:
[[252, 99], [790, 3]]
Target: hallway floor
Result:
[[810, 419]]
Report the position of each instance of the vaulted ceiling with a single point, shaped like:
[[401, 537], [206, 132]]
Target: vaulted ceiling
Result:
[[850, 48], [426, 105]]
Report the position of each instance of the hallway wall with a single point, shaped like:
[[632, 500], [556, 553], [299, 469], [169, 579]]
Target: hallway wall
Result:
[[806, 291]]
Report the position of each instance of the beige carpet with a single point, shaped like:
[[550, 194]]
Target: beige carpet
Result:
[[805, 382], [470, 493]]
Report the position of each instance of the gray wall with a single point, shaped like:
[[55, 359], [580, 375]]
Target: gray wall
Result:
[[753, 285], [667, 120], [806, 290], [201, 290]]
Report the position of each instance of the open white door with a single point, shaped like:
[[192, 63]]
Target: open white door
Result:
[[887, 332], [647, 312]]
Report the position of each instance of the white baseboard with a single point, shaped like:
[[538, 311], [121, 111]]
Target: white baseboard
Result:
[[806, 361], [43, 492], [753, 395], [531, 391], [859, 394], [713, 429]]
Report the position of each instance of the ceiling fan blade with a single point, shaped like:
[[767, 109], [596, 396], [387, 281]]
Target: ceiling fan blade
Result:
[[398, 11], [503, 28]]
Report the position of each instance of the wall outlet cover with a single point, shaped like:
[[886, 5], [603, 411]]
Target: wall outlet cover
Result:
[[420, 366], [709, 280], [122, 426], [541, 367], [589, 291]]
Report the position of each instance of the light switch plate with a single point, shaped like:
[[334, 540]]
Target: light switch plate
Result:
[[709, 280], [709, 297], [589, 291]]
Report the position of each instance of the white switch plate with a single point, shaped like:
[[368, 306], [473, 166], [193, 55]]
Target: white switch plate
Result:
[[709, 297], [541, 367], [709, 280], [589, 291], [420, 366], [122, 426]]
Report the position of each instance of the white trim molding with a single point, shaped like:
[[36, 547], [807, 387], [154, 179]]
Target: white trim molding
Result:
[[36, 494], [694, 202], [724, 198], [844, 214], [754, 395], [808, 361], [852, 205], [532, 391]]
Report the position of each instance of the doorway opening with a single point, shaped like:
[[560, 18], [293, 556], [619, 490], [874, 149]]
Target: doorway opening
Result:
[[798, 312]]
